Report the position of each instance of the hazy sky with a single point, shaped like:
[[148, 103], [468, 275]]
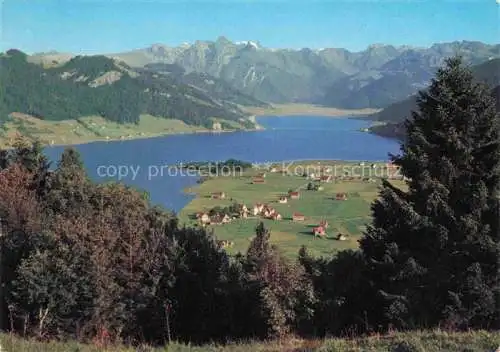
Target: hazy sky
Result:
[[106, 26]]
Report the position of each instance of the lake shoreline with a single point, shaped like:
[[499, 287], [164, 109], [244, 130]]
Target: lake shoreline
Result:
[[151, 137], [155, 157], [283, 110]]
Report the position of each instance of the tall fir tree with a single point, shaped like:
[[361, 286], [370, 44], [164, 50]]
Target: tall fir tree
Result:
[[433, 249]]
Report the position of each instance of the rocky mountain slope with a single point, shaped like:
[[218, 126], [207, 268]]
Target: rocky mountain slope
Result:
[[487, 72], [375, 77]]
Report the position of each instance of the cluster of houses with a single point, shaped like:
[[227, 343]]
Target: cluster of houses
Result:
[[323, 174], [225, 243], [216, 219], [266, 212]]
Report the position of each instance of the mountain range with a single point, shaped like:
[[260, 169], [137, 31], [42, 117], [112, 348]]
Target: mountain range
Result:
[[212, 81], [372, 78]]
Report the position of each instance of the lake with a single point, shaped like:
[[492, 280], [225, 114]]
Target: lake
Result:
[[285, 138]]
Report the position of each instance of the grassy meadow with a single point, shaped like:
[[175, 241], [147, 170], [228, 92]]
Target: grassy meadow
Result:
[[416, 341], [92, 128], [347, 217], [306, 109]]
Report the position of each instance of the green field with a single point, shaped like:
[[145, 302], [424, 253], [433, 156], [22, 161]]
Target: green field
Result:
[[294, 109], [415, 341], [347, 217], [93, 128]]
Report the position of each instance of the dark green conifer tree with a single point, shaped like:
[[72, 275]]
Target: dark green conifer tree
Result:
[[433, 249]]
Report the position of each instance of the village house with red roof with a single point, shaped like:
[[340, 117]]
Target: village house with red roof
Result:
[[341, 196], [319, 231], [258, 180], [298, 217], [283, 200]]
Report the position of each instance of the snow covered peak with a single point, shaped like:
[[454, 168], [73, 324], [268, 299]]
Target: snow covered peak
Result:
[[249, 43]]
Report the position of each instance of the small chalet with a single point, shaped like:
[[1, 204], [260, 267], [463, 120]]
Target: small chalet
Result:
[[203, 217], [342, 237], [216, 219], [257, 209], [341, 196], [243, 210], [225, 243], [257, 180], [268, 212], [218, 195], [219, 219], [323, 224], [283, 200], [294, 195], [226, 219], [326, 178], [298, 217], [276, 216], [319, 231]]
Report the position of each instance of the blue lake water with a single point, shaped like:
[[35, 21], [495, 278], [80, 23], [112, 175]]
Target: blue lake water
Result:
[[285, 138]]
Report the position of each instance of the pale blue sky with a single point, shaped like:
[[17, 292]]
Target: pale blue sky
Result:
[[107, 26]]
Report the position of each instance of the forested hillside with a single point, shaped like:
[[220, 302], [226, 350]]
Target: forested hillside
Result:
[[395, 114], [99, 86]]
